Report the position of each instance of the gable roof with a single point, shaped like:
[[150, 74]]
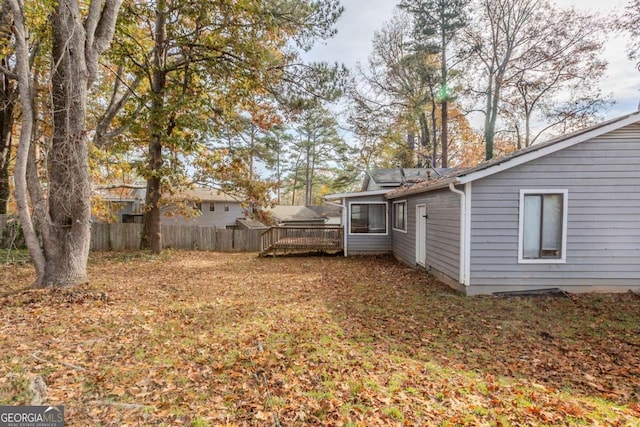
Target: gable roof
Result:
[[209, 195], [294, 214], [137, 192], [123, 192], [519, 157], [326, 211]]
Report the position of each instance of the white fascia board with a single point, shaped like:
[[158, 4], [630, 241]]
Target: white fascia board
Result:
[[561, 145], [411, 191], [356, 194]]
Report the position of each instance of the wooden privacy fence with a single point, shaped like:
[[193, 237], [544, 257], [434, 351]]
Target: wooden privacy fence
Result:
[[118, 237], [127, 236]]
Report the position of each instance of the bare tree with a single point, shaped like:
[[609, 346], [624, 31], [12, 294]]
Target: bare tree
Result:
[[401, 82], [529, 59], [630, 21], [555, 81], [64, 216], [497, 38]]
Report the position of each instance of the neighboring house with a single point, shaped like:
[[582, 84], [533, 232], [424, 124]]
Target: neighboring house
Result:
[[561, 214], [332, 214], [300, 216], [125, 201], [216, 209]]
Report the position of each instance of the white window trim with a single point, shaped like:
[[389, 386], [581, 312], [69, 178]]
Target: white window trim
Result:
[[565, 209], [386, 213], [393, 220]]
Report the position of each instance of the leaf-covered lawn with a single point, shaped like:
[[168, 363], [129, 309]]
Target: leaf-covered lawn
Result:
[[197, 338]]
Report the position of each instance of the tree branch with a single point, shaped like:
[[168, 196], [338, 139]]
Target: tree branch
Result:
[[100, 27]]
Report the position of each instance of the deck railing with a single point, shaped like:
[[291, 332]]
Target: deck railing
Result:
[[295, 238]]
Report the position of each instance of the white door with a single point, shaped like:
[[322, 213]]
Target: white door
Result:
[[421, 234]]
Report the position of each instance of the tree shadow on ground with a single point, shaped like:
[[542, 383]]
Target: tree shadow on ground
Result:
[[589, 344]]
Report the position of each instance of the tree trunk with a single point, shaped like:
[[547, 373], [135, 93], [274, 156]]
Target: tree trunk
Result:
[[407, 160], [444, 106], [425, 141], [307, 187], [434, 138], [22, 157], [152, 233], [278, 177], [490, 129], [444, 133], [64, 216], [7, 98], [69, 184], [527, 128]]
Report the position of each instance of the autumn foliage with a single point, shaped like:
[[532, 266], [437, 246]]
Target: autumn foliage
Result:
[[200, 339]]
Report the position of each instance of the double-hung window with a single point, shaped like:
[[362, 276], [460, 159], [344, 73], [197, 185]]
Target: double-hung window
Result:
[[400, 215], [543, 226], [368, 218]]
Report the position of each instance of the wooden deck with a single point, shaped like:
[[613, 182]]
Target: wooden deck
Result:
[[301, 239]]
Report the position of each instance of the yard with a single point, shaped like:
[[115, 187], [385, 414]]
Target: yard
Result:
[[201, 338]]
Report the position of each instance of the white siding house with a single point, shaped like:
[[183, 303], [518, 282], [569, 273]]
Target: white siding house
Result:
[[214, 209]]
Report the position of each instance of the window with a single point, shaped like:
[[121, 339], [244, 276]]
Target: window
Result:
[[368, 218], [226, 207], [400, 215], [212, 207], [198, 206], [543, 226], [132, 219]]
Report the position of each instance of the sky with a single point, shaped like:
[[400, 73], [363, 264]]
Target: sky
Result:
[[362, 18]]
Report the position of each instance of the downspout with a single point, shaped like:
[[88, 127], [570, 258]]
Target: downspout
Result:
[[344, 223], [463, 230]]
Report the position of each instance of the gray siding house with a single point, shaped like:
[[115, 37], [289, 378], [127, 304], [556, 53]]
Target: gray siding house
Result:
[[366, 221], [560, 214], [214, 209]]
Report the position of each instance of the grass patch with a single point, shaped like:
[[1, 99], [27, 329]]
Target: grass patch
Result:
[[14, 257]]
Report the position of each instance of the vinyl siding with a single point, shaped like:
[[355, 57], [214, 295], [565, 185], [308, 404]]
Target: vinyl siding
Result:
[[219, 218], [602, 177], [362, 244], [443, 232]]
